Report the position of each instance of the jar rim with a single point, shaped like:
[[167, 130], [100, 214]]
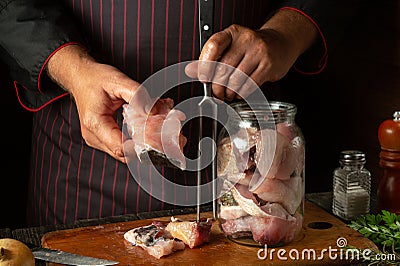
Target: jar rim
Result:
[[263, 113], [272, 105]]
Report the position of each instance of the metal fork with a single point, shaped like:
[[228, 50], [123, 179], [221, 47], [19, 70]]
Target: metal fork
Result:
[[206, 16]]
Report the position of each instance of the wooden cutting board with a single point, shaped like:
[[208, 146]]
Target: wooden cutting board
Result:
[[107, 242]]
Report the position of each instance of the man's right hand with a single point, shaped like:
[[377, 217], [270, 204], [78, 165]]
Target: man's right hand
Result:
[[99, 90]]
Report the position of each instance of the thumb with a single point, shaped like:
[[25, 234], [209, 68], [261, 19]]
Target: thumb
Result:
[[191, 69], [141, 101]]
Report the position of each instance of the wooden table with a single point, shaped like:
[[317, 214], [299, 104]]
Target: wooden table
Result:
[[34, 235], [106, 241]]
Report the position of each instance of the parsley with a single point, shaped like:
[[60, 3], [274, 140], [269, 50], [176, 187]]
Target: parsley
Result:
[[383, 229]]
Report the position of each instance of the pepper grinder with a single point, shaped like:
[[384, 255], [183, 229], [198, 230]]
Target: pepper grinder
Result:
[[388, 193]]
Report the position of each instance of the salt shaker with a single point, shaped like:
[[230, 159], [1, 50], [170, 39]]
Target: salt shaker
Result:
[[351, 186], [388, 194]]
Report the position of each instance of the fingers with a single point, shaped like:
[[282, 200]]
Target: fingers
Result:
[[122, 87], [129, 150], [237, 60], [191, 69], [142, 101], [239, 77], [104, 135], [220, 80], [228, 82], [212, 51], [241, 54], [102, 94], [251, 81]]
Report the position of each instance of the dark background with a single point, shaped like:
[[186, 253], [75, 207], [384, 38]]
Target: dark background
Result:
[[14, 164], [341, 108]]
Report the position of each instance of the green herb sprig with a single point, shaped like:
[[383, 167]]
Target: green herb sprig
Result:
[[383, 228]]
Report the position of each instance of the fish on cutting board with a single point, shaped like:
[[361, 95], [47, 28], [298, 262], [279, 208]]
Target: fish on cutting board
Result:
[[154, 239], [161, 238], [192, 233]]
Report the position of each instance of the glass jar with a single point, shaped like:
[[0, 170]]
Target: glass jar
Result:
[[351, 186], [260, 163]]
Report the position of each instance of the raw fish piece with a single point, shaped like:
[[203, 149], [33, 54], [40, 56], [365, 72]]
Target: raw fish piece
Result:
[[162, 238], [229, 160], [192, 233], [264, 230], [289, 192], [246, 200], [245, 138], [273, 230], [157, 129], [236, 227], [274, 162], [256, 151], [226, 160], [154, 239], [164, 247], [231, 212], [250, 205], [286, 130]]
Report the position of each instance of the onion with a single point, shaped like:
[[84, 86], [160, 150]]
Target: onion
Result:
[[15, 253]]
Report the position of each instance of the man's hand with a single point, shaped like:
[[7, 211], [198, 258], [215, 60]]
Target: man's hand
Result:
[[98, 90], [263, 55]]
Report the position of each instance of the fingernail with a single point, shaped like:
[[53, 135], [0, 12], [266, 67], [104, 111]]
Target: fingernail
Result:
[[203, 78]]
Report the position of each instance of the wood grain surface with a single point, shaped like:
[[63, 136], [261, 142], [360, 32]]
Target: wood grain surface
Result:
[[107, 242]]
